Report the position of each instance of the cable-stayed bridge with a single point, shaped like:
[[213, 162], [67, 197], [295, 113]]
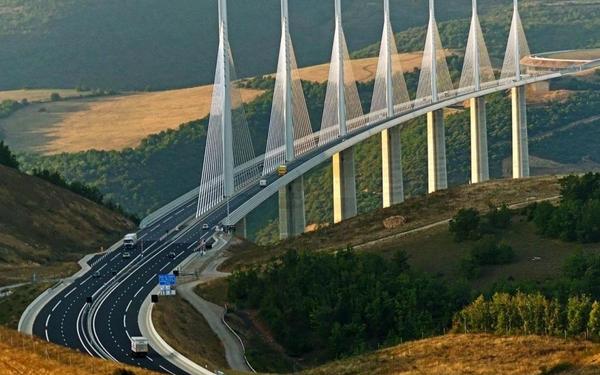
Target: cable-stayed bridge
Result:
[[98, 310], [231, 168]]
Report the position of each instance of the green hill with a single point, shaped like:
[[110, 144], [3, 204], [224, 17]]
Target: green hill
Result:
[[156, 44], [45, 229]]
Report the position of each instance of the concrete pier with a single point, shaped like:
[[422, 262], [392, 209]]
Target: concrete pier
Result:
[[344, 186], [391, 152], [520, 142], [480, 170], [292, 217], [436, 151], [241, 229]]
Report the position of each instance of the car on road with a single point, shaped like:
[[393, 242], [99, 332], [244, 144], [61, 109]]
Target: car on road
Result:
[[126, 255], [97, 274], [205, 226], [263, 183], [172, 255]]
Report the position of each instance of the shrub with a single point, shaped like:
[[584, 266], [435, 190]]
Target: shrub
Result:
[[7, 158], [465, 225]]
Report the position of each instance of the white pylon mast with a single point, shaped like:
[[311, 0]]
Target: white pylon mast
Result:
[[288, 107], [434, 90], [389, 88], [340, 62], [476, 67], [516, 41], [226, 125]]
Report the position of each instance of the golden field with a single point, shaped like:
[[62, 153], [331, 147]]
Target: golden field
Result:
[[108, 123]]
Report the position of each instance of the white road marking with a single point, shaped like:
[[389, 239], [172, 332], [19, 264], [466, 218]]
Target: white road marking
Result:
[[165, 369], [124, 322], [150, 279], [115, 257], [55, 306], [86, 280], [138, 292], [168, 219], [192, 245], [165, 266], [68, 294], [128, 305]]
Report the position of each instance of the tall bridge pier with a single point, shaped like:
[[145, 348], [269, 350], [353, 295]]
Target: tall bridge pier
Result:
[[480, 170], [344, 186], [391, 157], [292, 217], [436, 152], [520, 140]]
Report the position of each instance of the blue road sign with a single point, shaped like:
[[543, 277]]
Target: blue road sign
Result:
[[168, 279]]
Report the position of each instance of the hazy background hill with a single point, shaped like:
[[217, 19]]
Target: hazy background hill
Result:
[[138, 44]]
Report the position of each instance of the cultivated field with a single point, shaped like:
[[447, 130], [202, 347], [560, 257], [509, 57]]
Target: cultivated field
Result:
[[364, 69], [109, 123]]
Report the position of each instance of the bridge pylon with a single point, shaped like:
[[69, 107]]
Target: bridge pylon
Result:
[[477, 73], [389, 96], [434, 84], [228, 155], [342, 114]]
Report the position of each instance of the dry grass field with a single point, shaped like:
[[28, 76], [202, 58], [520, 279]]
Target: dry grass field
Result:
[[24, 355], [364, 69], [109, 123], [180, 325], [474, 354]]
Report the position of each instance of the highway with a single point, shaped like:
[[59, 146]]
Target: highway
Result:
[[119, 286]]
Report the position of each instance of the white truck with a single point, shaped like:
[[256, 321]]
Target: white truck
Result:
[[139, 346], [130, 240]]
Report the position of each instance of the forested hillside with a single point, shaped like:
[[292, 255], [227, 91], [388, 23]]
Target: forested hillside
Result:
[[102, 44]]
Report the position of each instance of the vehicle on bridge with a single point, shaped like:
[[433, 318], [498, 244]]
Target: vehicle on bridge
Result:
[[130, 240], [263, 183], [139, 346], [282, 170]]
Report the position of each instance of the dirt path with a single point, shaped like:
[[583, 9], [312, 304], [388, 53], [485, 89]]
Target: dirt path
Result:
[[234, 351]]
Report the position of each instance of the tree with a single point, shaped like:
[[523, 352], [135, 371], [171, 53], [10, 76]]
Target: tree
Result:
[[554, 318], [594, 321], [465, 225], [55, 97], [7, 158], [578, 312]]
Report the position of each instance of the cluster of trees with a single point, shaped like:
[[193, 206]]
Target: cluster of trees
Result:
[[345, 303], [7, 158], [469, 224], [528, 314], [577, 217]]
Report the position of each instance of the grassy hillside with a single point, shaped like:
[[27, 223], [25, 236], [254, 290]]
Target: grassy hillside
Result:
[[474, 354], [69, 43], [45, 229], [20, 354]]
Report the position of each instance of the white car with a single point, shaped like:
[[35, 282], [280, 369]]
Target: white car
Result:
[[205, 226], [126, 255]]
